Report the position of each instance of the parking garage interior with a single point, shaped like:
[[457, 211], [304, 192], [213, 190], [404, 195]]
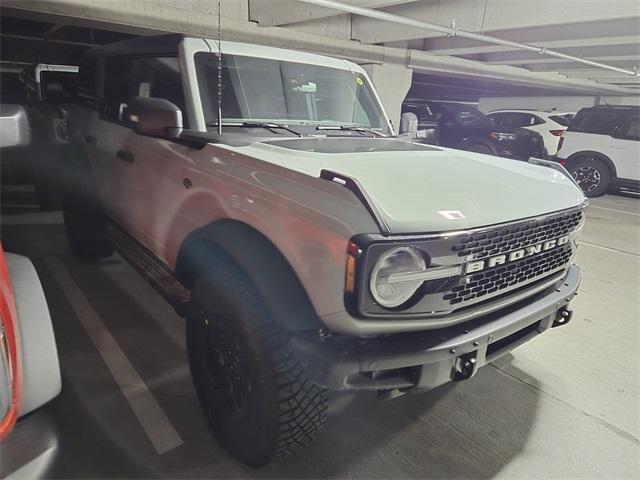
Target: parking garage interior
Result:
[[564, 405]]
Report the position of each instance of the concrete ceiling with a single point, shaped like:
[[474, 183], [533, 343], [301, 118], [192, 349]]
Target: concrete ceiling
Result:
[[606, 30], [599, 30]]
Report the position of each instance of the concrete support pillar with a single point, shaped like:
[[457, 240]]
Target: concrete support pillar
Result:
[[392, 83]]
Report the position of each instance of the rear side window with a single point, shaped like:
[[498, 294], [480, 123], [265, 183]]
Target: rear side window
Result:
[[601, 122], [87, 88], [631, 131], [58, 86], [517, 119], [561, 120], [126, 77]]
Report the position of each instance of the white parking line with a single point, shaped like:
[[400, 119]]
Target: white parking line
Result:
[[154, 421], [615, 210], [608, 249]]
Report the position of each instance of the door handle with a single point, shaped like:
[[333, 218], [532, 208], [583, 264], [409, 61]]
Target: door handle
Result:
[[91, 140], [125, 156]]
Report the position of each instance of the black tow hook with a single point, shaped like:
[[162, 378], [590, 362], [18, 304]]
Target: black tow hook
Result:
[[562, 317], [464, 367]]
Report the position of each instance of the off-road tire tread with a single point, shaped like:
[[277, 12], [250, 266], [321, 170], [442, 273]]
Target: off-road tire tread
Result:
[[302, 406]]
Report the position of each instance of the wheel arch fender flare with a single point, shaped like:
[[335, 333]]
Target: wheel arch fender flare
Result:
[[600, 156], [259, 258]]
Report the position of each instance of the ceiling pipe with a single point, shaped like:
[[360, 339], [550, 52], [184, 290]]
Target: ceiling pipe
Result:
[[454, 31]]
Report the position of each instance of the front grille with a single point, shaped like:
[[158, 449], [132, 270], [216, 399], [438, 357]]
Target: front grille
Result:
[[513, 237], [505, 276], [506, 239]]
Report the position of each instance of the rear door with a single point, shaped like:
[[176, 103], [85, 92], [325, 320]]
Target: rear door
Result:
[[624, 148]]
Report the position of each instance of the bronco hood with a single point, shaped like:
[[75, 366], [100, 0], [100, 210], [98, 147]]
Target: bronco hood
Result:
[[420, 189]]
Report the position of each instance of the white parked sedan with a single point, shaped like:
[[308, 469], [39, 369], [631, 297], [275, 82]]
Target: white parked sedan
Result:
[[550, 124]]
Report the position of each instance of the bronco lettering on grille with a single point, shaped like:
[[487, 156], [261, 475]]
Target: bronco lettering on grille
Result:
[[515, 255]]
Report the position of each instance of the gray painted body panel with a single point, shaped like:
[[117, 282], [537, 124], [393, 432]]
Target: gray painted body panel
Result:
[[416, 190]]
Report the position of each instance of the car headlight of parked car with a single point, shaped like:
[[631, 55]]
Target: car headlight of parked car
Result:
[[395, 277], [501, 137]]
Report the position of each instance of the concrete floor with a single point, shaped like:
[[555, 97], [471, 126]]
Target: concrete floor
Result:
[[565, 405]]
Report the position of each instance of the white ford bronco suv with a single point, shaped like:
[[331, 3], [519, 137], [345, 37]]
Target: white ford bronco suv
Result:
[[308, 248]]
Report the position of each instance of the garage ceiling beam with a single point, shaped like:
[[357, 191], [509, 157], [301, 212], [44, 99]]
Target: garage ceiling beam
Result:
[[274, 13], [490, 16], [53, 29], [48, 40], [455, 31], [568, 43], [600, 52]]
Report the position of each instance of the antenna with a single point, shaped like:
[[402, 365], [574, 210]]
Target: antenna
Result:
[[219, 70]]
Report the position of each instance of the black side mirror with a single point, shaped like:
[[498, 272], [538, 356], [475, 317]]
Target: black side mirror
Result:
[[14, 126], [153, 116]]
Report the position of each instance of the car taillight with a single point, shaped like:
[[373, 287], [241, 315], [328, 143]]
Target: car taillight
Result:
[[557, 133], [562, 135], [9, 353]]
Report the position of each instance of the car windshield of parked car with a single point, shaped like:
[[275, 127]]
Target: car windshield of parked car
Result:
[[266, 90], [465, 114]]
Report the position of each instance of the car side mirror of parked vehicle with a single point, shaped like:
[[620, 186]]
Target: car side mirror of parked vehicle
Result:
[[409, 124], [14, 126], [153, 117]]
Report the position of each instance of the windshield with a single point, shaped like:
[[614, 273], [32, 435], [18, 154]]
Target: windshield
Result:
[[464, 114], [265, 90]]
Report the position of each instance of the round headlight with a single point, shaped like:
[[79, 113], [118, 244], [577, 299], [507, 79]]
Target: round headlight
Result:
[[392, 292]]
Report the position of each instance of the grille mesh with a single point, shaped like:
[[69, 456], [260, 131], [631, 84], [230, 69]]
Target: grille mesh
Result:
[[481, 284], [508, 239], [516, 236]]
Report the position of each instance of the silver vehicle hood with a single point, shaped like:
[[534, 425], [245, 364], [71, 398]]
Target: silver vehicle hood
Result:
[[420, 189]]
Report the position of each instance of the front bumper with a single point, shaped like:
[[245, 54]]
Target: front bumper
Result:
[[424, 360]]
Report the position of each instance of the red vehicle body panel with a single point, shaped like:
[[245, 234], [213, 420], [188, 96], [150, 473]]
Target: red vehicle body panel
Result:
[[9, 320]]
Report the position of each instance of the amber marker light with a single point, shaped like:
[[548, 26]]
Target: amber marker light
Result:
[[350, 279]]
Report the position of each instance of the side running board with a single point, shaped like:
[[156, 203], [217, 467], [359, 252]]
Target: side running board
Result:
[[149, 266], [353, 185]]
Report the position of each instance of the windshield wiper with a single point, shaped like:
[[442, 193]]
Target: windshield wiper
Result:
[[267, 125], [350, 128]]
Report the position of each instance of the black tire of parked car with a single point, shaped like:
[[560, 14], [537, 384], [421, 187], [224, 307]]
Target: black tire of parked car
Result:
[[253, 391], [592, 174], [83, 218]]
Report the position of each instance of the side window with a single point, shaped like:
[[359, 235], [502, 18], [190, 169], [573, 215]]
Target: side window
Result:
[[157, 77], [517, 120], [631, 130], [117, 78], [601, 122], [536, 120], [87, 90], [496, 118]]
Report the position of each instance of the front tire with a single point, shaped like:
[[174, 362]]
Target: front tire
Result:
[[592, 174], [255, 394]]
